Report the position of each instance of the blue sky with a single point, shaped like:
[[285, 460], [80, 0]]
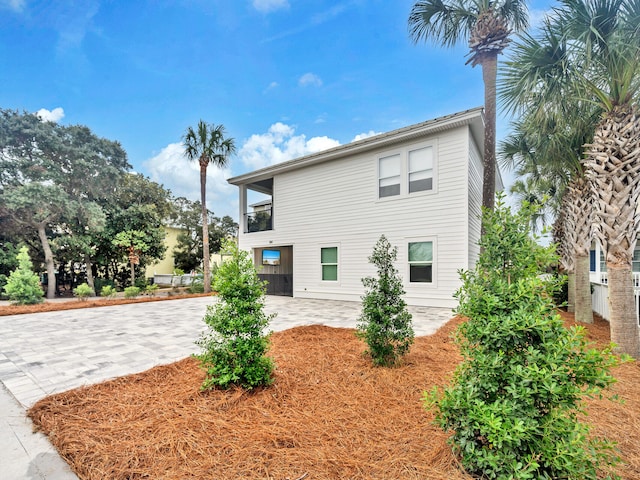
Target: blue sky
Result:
[[285, 77]]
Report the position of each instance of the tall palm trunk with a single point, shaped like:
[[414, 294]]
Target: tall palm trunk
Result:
[[205, 228], [489, 75], [581, 214], [48, 261], [613, 168]]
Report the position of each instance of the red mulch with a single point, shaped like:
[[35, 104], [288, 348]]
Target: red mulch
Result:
[[73, 304], [329, 415]]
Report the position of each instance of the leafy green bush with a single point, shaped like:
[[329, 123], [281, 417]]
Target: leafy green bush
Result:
[[108, 291], [100, 282], [385, 323], [151, 289], [514, 403], [131, 292], [83, 291], [234, 347], [23, 286]]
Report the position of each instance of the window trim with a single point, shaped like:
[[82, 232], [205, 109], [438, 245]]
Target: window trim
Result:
[[403, 152], [337, 264]]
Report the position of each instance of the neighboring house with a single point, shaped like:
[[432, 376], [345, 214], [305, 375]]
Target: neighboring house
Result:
[[600, 281], [166, 265], [421, 186]]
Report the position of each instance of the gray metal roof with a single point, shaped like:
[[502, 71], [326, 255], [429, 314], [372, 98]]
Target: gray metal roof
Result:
[[473, 117]]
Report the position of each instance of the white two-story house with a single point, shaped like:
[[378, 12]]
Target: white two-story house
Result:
[[421, 186]]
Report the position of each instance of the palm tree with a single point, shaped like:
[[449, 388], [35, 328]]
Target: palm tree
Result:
[[486, 25], [547, 153], [593, 48], [208, 145]]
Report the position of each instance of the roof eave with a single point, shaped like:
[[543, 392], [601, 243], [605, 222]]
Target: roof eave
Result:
[[473, 117]]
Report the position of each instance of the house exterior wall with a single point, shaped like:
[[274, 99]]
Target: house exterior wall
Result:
[[336, 204], [474, 202], [166, 265]]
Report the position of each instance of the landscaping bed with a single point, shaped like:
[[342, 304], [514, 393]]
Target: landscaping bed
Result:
[[328, 415], [74, 303]]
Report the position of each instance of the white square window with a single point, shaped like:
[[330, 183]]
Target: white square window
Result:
[[421, 169], [421, 262], [329, 262], [389, 176]]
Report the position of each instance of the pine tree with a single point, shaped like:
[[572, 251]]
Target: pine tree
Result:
[[234, 347], [23, 286]]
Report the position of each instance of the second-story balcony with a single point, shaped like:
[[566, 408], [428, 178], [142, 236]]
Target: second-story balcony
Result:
[[259, 221]]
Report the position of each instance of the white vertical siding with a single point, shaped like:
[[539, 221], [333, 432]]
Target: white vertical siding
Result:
[[475, 201], [336, 204]]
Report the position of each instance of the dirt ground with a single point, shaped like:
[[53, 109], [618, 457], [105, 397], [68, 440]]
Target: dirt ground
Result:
[[329, 415]]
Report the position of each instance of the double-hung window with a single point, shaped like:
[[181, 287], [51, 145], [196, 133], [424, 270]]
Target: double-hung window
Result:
[[389, 176], [421, 169], [421, 262], [329, 261]]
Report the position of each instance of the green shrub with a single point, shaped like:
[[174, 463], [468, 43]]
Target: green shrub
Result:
[[131, 292], [234, 347], [385, 323], [23, 286], [108, 291], [99, 282], [151, 289], [514, 403], [83, 291]]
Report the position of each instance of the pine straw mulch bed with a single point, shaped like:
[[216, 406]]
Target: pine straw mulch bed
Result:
[[73, 303], [329, 415]]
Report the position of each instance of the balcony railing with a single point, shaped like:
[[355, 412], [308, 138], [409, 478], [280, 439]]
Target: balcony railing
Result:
[[259, 221], [604, 279]]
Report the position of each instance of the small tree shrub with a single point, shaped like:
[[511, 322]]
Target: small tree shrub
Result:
[[385, 323], [514, 402], [108, 291], [23, 286], [83, 291], [100, 282], [151, 289], [234, 347], [131, 292]]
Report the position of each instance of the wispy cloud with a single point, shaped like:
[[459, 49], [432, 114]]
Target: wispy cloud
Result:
[[316, 20], [266, 6], [15, 5], [54, 115], [272, 85], [310, 80]]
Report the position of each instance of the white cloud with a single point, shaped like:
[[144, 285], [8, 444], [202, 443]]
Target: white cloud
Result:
[[310, 79], [280, 144], [171, 168], [271, 86], [537, 18], [362, 136], [16, 5], [54, 115], [266, 6]]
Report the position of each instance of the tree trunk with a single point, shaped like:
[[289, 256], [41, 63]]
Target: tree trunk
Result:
[[624, 331], [571, 292], [612, 165], [89, 266], [489, 75], [133, 273], [48, 261], [206, 269], [584, 308]]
